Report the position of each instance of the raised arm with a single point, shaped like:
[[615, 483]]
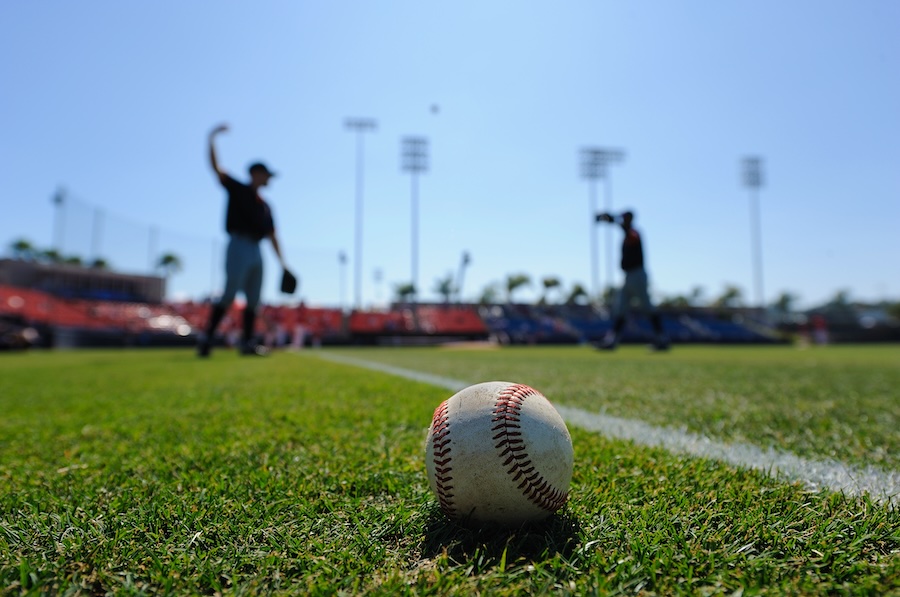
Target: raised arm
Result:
[[213, 159]]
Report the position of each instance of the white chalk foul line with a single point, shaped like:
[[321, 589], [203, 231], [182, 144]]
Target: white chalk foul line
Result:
[[881, 485]]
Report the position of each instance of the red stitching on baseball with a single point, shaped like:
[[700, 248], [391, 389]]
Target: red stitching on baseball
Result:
[[440, 443], [513, 450]]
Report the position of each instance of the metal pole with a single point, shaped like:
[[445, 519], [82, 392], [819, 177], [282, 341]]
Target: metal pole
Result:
[[414, 227], [459, 279], [59, 201], [358, 235], [595, 272], [753, 180], [610, 268], [360, 125], [595, 164], [757, 246], [414, 159]]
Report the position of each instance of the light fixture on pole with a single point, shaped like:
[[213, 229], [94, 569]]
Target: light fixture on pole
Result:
[[753, 180], [414, 159], [360, 126], [594, 165]]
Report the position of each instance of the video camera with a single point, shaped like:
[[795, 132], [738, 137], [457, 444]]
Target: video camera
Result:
[[613, 218]]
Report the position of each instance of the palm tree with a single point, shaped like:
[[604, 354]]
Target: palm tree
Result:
[[169, 263], [840, 307], [577, 294], [677, 301], [785, 302], [841, 299], [50, 256], [514, 282], [463, 264], [23, 249], [405, 292], [682, 301], [490, 295], [609, 295], [731, 297], [550, 283], [445, 287]]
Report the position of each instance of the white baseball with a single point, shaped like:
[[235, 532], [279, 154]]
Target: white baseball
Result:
[[499, 452]]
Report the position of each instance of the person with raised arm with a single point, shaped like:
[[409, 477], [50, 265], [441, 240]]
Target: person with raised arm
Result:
[[248, 220]]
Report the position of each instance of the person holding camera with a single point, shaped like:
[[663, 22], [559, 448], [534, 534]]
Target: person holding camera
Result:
[[635, 286]]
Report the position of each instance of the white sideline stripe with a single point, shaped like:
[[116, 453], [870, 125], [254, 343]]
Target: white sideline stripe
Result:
[[882, 485]]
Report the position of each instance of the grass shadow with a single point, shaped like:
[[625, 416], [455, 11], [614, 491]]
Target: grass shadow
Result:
[[559, 534]]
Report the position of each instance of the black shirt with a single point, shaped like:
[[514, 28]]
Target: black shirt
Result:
[[632, 251], [248, 214]]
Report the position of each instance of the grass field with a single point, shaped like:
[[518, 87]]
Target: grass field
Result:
[[149, 472]]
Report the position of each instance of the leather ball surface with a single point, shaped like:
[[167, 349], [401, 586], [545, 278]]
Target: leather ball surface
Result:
[[499, 452]]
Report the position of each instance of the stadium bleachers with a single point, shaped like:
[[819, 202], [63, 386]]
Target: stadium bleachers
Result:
[[424, 323], [524, 324], [36, 308], [450, 320], [373, 323], [322, 321]]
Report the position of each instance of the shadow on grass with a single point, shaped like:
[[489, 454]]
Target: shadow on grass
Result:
[[557, 534]]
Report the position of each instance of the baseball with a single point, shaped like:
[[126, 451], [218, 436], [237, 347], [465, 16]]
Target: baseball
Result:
[[499, 452]]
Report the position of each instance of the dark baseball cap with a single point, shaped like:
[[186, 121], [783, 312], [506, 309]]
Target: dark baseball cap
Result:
[[260, 167]]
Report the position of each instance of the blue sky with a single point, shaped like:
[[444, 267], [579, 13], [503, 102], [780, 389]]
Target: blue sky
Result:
[[113, 102]]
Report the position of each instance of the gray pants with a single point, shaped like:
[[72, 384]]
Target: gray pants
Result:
[[635, 287], [243, 271]]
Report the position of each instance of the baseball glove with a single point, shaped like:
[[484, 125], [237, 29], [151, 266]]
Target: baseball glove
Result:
[[288, 282]]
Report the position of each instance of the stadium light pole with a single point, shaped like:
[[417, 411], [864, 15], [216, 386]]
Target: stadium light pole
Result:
[[594, 164], [59, 220], [463, 264], [753, 180], [360, 126], [342, 261], [414, 159]]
